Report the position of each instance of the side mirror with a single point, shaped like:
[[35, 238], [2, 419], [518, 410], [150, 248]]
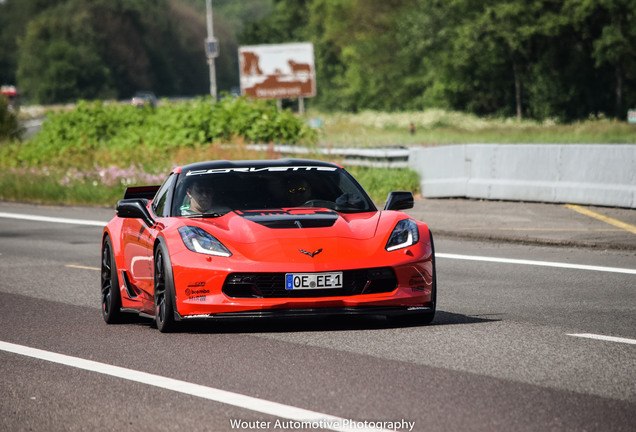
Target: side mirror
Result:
[[135, 209], [399, 200]]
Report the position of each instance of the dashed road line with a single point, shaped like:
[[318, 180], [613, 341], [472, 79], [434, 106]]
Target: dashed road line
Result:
[[604, 338], [81, 267]]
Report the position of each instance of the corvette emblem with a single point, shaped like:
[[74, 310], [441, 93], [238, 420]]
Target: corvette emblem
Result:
[[311, 254]]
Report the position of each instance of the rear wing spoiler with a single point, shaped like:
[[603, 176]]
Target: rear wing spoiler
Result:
[[143, 192]]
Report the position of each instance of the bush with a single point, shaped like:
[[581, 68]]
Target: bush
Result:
[[98, 134], [9, 126]]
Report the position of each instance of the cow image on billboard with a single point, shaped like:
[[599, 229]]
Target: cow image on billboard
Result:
[[282, 71]]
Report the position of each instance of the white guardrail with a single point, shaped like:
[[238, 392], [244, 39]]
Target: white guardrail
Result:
[[387, 157], [593, 174]]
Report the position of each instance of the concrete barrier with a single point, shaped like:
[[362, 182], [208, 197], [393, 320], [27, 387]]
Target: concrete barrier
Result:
[[593, 174]]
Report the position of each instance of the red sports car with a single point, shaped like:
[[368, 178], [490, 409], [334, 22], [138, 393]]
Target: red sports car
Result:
[[264, 239]]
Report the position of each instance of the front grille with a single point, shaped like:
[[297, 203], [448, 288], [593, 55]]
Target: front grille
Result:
[[272, 285]]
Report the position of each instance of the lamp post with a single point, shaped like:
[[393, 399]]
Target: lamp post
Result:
[[211, 48]]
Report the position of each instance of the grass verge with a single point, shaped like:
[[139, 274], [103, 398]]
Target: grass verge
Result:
[[434, 127]]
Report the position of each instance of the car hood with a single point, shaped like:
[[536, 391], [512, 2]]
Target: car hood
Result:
[[292, 235]]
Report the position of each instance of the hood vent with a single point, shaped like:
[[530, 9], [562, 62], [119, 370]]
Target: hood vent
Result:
[[282, 219]]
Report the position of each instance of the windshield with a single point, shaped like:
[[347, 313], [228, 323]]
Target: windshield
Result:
[[217, 191]]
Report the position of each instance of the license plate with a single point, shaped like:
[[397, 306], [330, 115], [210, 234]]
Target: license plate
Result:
[[305, 281]]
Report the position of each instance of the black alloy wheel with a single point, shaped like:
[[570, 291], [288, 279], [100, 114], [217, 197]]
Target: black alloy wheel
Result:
[[111, 297], [164, 289]]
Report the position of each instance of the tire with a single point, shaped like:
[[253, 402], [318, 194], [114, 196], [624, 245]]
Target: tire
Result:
[[164, 291], [111, 296]]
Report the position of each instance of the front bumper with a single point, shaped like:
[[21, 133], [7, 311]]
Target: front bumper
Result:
[[205, 290]]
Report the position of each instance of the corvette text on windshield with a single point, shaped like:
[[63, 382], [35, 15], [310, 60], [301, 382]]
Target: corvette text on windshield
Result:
[[253, 170]]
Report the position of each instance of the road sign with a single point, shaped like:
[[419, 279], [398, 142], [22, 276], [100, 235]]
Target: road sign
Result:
[[282, 71], [212, 48]]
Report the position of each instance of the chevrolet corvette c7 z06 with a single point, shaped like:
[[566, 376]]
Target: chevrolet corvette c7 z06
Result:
[[264, 238]]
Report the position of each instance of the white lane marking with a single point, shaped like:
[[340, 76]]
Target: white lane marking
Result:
[[52, 219], [322, 421], [81, 267], [604, 338], [536, 263]]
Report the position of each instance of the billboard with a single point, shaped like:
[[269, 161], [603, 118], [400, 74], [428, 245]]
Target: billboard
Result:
[[282, 71]]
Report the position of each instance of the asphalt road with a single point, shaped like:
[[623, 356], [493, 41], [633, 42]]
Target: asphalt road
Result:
[[500, 355]]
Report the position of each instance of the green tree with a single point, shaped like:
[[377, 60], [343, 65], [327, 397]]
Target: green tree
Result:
[[327, 29], [611, 26], [511, 27], [373, 76], [285, 23], [151, 45], [14, 17], [59, 59], [112, 48]]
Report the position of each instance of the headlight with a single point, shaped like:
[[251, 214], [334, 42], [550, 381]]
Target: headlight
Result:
[[404, 234], [198, 240]]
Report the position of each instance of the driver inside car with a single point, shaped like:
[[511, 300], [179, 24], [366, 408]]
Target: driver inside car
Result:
[[201, 200]]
